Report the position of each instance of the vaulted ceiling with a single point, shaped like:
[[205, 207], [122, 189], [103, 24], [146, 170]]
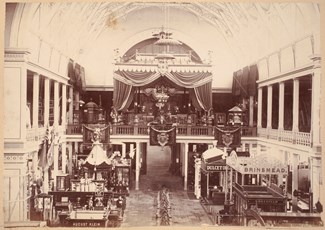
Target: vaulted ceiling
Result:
[[232, 34]]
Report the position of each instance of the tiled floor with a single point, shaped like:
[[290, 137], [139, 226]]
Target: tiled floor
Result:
[[141, 209]]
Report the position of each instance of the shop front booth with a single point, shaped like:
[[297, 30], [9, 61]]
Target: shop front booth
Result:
[[258, 190], [213, 176], [90, 198]]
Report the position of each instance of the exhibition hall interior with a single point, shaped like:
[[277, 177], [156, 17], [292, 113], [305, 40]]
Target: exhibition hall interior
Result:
[[134, 114]]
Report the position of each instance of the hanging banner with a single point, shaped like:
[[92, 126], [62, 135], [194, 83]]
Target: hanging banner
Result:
[[228, 136], [162, 137]]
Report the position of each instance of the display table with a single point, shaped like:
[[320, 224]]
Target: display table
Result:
[[88, 218]]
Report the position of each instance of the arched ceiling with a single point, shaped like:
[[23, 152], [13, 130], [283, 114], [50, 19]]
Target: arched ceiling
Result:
[[232, 34]]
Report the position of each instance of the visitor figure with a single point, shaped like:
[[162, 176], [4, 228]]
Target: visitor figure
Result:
[[121, 204]]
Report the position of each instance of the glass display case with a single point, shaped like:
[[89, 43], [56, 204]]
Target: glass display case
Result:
[[121, 178], [62, 182]]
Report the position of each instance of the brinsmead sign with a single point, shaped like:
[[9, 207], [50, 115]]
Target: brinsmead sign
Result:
[[265, 170]]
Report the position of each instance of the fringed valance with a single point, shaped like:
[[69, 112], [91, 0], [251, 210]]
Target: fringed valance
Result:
[[199, 85]]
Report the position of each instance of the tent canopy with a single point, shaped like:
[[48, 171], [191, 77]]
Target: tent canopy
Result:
[[97, 158]]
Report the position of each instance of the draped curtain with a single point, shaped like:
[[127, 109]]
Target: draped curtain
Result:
[[244, 81], [199, 83]]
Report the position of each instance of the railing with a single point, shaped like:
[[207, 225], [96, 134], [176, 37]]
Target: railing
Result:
[[248, 131], [35, 134], [299, 138], [74, 129], [182, 130]]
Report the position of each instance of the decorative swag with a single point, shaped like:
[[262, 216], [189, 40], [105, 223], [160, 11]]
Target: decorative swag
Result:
[[198, 83], [227, 137], [162, 137]]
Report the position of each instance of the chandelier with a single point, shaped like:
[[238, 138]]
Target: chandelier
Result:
[[160, 94], [165, 39]]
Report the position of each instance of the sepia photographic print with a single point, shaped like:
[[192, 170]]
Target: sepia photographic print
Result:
[[121, 114]]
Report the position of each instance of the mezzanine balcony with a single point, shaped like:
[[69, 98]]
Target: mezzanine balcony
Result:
[[286, 136]]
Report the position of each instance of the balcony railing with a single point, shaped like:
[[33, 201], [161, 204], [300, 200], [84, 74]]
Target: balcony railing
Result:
[[299, 138], [74, 129], [182, 130], [35, 134]]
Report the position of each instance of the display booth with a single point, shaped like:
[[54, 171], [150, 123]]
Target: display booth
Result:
[[89, 199], [258, 186], [213, 176]]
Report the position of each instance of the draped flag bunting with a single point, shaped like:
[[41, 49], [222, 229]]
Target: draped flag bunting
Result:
[[244, 81], [162, 137], [46, 157], [101, 130], [227, 137]]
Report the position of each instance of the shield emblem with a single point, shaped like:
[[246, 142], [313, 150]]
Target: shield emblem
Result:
[[162, 138], [227, 139]]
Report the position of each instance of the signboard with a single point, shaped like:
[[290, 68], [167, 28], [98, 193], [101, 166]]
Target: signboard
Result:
[[265, 170], [215, 168]]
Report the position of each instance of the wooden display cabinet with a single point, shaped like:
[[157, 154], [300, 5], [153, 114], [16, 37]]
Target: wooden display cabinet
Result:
[[121, 180]]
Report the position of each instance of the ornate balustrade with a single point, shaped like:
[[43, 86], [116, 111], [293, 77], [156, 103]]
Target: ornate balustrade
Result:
[[31, 134], [182, 130], [74, 129], [248, 131], [35, 134], [299, 138]]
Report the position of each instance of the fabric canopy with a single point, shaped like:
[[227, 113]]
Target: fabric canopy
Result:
[[198, 83], [97, 156], [213, 154]]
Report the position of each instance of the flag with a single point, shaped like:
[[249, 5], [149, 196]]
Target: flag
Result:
[[42, 163]]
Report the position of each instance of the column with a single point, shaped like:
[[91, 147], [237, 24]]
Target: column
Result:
[[316, 102], [242, 179], [186, 165], [295, 163], [315, 175], [281, 105], [55, 162], [64, 157], [35, 99], [123, 150], [269, 106], [231, 182], [251, 111], [70, 163], [137, 164], [64, 105], [56, 104], [226, 184], [243, 146], [295, 111], [70, 113], [46, 101], [208, 176], [259, 108]]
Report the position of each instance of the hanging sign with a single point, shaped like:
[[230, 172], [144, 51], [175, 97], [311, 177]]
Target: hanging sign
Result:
[[227, 137], [162, 137]]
